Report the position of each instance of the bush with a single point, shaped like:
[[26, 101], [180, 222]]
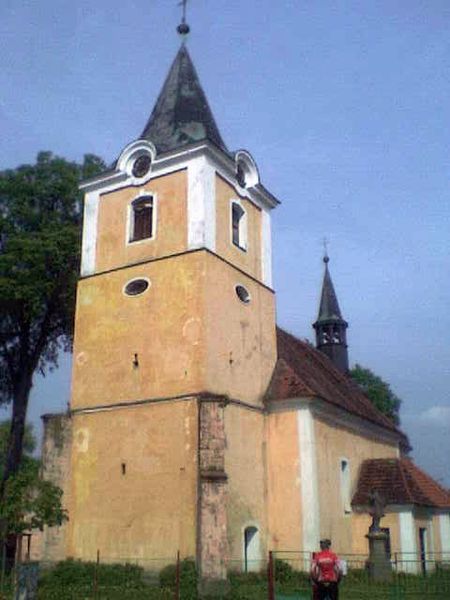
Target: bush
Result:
[[284, 573], [188, 578], [77, 573]]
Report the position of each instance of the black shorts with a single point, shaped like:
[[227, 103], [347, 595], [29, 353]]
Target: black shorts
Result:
[[328, 591]]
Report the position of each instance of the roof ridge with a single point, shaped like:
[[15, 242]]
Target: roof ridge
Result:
[[423, 475], [339, 379]]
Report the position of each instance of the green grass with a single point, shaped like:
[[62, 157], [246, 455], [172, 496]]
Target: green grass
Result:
[[74, 580]]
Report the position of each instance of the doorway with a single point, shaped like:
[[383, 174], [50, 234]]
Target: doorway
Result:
[[423, 548]]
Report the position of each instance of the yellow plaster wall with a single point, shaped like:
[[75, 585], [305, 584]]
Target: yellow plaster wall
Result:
[[245, 465], [333, 443], [189, 329], [150, 512], [164, 326], [249, 260], [284, 492], [240, 338], [113, 249]]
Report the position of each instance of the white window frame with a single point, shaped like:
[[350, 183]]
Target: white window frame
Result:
[[345, 484], [130, 218], [243, 226]]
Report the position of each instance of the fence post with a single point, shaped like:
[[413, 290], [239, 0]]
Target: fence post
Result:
[[95, 587], [177, 578], [2, 580], [270, 578]]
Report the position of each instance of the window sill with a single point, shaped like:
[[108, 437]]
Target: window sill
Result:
[[140, 241], [242, 248]]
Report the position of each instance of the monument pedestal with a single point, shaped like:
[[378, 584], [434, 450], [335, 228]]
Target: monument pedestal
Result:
[[379, 563]]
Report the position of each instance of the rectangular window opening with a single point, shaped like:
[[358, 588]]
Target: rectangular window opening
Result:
[[124, 468], [142, 219], [238, 224]]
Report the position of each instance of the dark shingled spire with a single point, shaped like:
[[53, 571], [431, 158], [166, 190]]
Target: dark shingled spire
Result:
[[329, 306], [181, 115], [331, 338]]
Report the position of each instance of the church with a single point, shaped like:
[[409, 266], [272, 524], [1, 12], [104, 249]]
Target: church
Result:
[[195, 423]]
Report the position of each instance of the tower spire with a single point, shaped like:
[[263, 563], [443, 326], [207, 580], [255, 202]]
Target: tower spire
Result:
[[182, 115], [330, 327]]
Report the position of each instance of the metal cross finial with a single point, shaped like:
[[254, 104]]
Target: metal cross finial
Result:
[[183, 29], [326, 258], [183, 3]]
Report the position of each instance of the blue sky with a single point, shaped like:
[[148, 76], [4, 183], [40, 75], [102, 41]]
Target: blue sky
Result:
[[343, 104]]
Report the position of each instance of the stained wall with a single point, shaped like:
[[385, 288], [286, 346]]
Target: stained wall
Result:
[[334, 443], [246, 467], [134, 483], [170, 232]]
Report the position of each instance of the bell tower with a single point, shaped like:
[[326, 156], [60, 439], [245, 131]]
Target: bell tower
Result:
[[331, 336], [175, 320]]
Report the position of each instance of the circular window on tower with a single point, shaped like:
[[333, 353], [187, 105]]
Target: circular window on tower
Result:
[[135, 287], [243, 294], [141, 165]]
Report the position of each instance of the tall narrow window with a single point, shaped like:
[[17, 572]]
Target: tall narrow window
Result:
[[141, 218], [252, 551], [239, 225], [345, 486]]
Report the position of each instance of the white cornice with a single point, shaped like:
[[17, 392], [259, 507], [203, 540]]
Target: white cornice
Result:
[[161, 165]]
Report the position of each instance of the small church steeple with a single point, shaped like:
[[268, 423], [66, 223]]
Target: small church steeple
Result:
[[331, 338]]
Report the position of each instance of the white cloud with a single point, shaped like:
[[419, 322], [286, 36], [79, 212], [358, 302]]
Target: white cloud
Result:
[[428, 432], [437, 415]]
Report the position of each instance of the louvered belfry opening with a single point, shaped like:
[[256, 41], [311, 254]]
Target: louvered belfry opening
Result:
[[142, 224]]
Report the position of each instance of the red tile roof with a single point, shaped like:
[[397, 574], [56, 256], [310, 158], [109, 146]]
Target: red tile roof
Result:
[[399, 481], [303, 371]]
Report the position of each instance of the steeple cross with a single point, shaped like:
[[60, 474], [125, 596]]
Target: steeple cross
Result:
[[183, 3], [183, 28], [325, 250]]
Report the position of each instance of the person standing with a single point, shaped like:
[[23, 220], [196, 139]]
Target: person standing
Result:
[[325, 573]]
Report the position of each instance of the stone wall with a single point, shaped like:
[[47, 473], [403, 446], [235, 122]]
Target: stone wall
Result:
[[56, 448]]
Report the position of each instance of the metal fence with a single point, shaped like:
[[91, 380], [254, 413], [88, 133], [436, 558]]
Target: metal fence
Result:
[[280, 576], [412, 577]]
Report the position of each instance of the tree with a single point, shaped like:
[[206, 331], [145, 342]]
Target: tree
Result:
[[40, 236], [30, 502], [378, 391]]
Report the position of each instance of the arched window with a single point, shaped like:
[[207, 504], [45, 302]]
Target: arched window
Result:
[[252, 551], [141, 219], [239, 226]]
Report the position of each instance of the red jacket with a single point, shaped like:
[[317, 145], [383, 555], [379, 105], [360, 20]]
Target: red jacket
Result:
[[325, 567]]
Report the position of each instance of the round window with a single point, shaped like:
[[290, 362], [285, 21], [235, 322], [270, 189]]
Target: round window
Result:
[[242, 294], [136, 287], [141, 165]]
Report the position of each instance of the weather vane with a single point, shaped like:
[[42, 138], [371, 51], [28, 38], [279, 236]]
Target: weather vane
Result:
[[183, 28]]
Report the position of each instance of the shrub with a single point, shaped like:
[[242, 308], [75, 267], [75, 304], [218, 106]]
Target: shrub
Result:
[[284, 573], [188, 578], [77, 573]]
